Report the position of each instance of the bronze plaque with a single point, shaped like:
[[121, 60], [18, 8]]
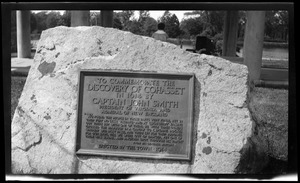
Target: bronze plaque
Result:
[[135, 114]]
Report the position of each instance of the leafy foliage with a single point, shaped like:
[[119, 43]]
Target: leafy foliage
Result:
[[143, 16], [171, 24], [124, 18], [205, 23], [117, 23], [149, 26], [134, 26], [41, 19], [276, 25], [192, 26], [53, 19]]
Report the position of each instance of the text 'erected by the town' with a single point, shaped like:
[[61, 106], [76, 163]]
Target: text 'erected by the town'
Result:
[[133, 114]]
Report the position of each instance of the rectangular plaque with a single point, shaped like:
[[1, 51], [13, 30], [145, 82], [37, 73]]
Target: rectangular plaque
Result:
[[135, 114]]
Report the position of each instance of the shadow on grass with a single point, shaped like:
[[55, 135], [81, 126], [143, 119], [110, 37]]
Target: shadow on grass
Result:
[[275, 166], [270, 111]]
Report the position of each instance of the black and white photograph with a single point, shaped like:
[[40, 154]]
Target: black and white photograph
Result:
[[149, 91]]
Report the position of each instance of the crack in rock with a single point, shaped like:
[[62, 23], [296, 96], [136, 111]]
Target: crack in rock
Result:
[[28, 144], [213, 66], [225, 152], [32, 145], [244, 105], [110, 57]]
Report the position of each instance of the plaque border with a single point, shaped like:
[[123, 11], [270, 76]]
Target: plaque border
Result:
[[138, 74]]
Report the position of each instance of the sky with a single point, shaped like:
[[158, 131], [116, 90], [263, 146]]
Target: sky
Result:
[[153, 14]]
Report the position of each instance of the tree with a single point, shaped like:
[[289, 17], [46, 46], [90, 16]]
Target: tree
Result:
[[41, 21], [117, 23], [52, 19], [124, 18], [66, 19], [129, 23], [134, 26], [216, 20], [143, 16], [284, 23], [211, 21], [276, 25], [172, 24], [33, 23], [149, 26], [192, 26], [270, 23]]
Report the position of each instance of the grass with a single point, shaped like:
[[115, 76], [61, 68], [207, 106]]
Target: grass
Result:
[[17, 84], [15, 54], [280, 64], [272, 58], [268, 44], [268, 106], [272, 53]]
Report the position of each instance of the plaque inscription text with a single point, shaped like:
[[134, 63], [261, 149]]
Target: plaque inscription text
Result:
[[135, 114]]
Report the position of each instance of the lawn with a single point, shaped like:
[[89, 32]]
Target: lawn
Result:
[[17, 83], [15, 54], [269, 106]]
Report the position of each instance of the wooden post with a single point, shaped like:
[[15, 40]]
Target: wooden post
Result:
[[107, 18], [80, 18], [230, 33], [253, 43], [23, 34]]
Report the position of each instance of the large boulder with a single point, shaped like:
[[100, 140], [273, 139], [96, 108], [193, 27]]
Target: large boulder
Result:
[[44, 124]]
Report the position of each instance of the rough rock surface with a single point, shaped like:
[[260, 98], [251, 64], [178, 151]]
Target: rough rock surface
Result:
[[44, 124]]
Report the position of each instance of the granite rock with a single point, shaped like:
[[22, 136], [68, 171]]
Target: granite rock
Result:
[[44, 124]]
